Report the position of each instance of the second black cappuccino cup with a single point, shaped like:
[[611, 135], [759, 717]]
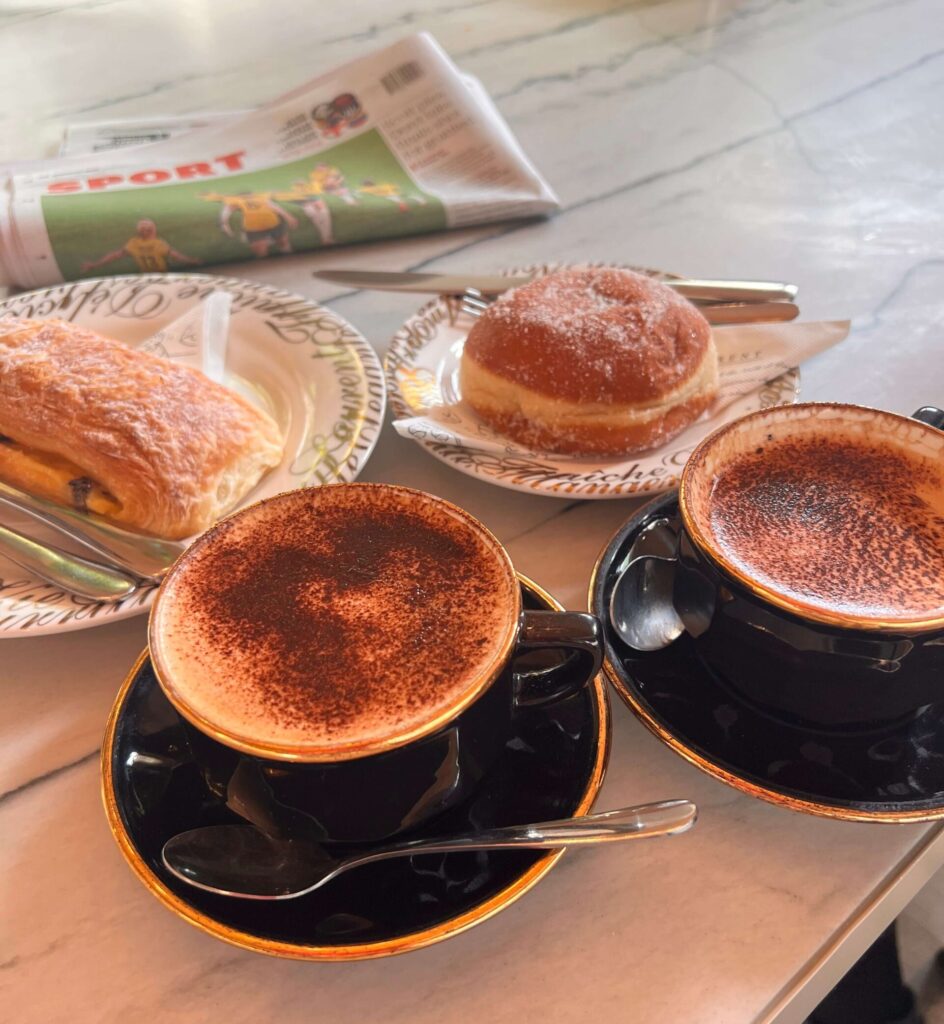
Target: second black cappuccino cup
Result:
[[810, 567]]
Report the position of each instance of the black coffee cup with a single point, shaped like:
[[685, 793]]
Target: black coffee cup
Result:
[[805, 660], [334, 794], [372, 798]]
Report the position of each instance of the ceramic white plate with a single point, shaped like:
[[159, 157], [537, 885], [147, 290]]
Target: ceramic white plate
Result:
[[422, 367], [314, 373]]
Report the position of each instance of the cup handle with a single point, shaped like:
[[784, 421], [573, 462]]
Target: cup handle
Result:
[[931, 415], [577, 632]]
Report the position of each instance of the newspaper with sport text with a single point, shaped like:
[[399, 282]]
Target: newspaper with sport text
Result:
[[395, 143]]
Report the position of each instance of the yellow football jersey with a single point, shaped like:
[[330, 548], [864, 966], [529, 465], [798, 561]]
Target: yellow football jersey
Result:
[[380, 190], [298, 193], [148, 253], [320, 178], [257, 214]]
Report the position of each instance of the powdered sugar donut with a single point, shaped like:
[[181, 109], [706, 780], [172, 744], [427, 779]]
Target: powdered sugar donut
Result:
[[596, 361]]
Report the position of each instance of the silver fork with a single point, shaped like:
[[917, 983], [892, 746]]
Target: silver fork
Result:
[[474, 303]]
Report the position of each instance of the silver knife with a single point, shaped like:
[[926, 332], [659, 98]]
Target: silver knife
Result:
[[494, 284], [80, 576], [148, 558]]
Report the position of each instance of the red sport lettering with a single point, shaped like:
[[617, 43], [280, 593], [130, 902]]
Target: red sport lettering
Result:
[[232, 161], [149, 177], [155, 176], [194, 171], [104, 181]]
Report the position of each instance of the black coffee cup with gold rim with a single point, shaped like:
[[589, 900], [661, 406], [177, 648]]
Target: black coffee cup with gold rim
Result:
[[349, 659], [810, 566]]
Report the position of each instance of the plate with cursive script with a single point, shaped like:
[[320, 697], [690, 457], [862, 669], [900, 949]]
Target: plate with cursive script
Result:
[[309, 368], [422, 370]]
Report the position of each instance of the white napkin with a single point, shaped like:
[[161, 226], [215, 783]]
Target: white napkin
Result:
[[198, 338], [749, 355]]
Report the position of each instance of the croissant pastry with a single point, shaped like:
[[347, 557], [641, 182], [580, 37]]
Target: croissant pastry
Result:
[[88, 422]]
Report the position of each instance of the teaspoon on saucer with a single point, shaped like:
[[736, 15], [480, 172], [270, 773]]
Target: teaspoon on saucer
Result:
[[641, 608], [656, 599], [656, 538], [238, 860]]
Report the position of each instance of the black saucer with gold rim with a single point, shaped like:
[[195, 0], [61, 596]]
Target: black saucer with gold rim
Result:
[[153, 789], [888, 773]]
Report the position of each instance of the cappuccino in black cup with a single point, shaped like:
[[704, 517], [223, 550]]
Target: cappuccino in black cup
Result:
[[820, 530]]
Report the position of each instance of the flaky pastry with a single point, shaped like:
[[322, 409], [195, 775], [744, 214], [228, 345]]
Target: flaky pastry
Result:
[[89, 422]]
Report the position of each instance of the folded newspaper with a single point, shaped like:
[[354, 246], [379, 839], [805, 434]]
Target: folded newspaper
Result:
[[396, 143]]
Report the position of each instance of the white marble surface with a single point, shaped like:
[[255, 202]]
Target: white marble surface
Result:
[[790, 140]]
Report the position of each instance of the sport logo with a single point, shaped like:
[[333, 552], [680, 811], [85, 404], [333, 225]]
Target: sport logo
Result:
[[344, 111]]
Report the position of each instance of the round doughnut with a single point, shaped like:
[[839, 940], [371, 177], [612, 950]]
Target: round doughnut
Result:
[[592, 361]]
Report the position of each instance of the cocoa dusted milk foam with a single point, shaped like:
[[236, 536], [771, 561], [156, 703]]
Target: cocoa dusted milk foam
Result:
[[330, 621], [838, 511]]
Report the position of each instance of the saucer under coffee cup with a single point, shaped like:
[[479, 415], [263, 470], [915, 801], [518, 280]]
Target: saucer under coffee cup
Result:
[[349, 659], [815, 533]]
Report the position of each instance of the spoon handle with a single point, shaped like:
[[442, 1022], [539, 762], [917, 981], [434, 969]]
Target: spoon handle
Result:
[[646, 820]]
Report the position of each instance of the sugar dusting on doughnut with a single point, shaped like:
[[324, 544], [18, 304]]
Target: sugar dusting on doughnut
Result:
[[590, 361]]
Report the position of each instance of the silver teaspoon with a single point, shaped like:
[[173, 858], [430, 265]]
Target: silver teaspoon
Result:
[[238, 860], [641, 606]]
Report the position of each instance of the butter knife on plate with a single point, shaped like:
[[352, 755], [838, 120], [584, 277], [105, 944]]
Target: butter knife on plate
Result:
[[494, 284]]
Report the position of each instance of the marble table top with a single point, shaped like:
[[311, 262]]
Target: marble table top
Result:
[[730, 138]]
